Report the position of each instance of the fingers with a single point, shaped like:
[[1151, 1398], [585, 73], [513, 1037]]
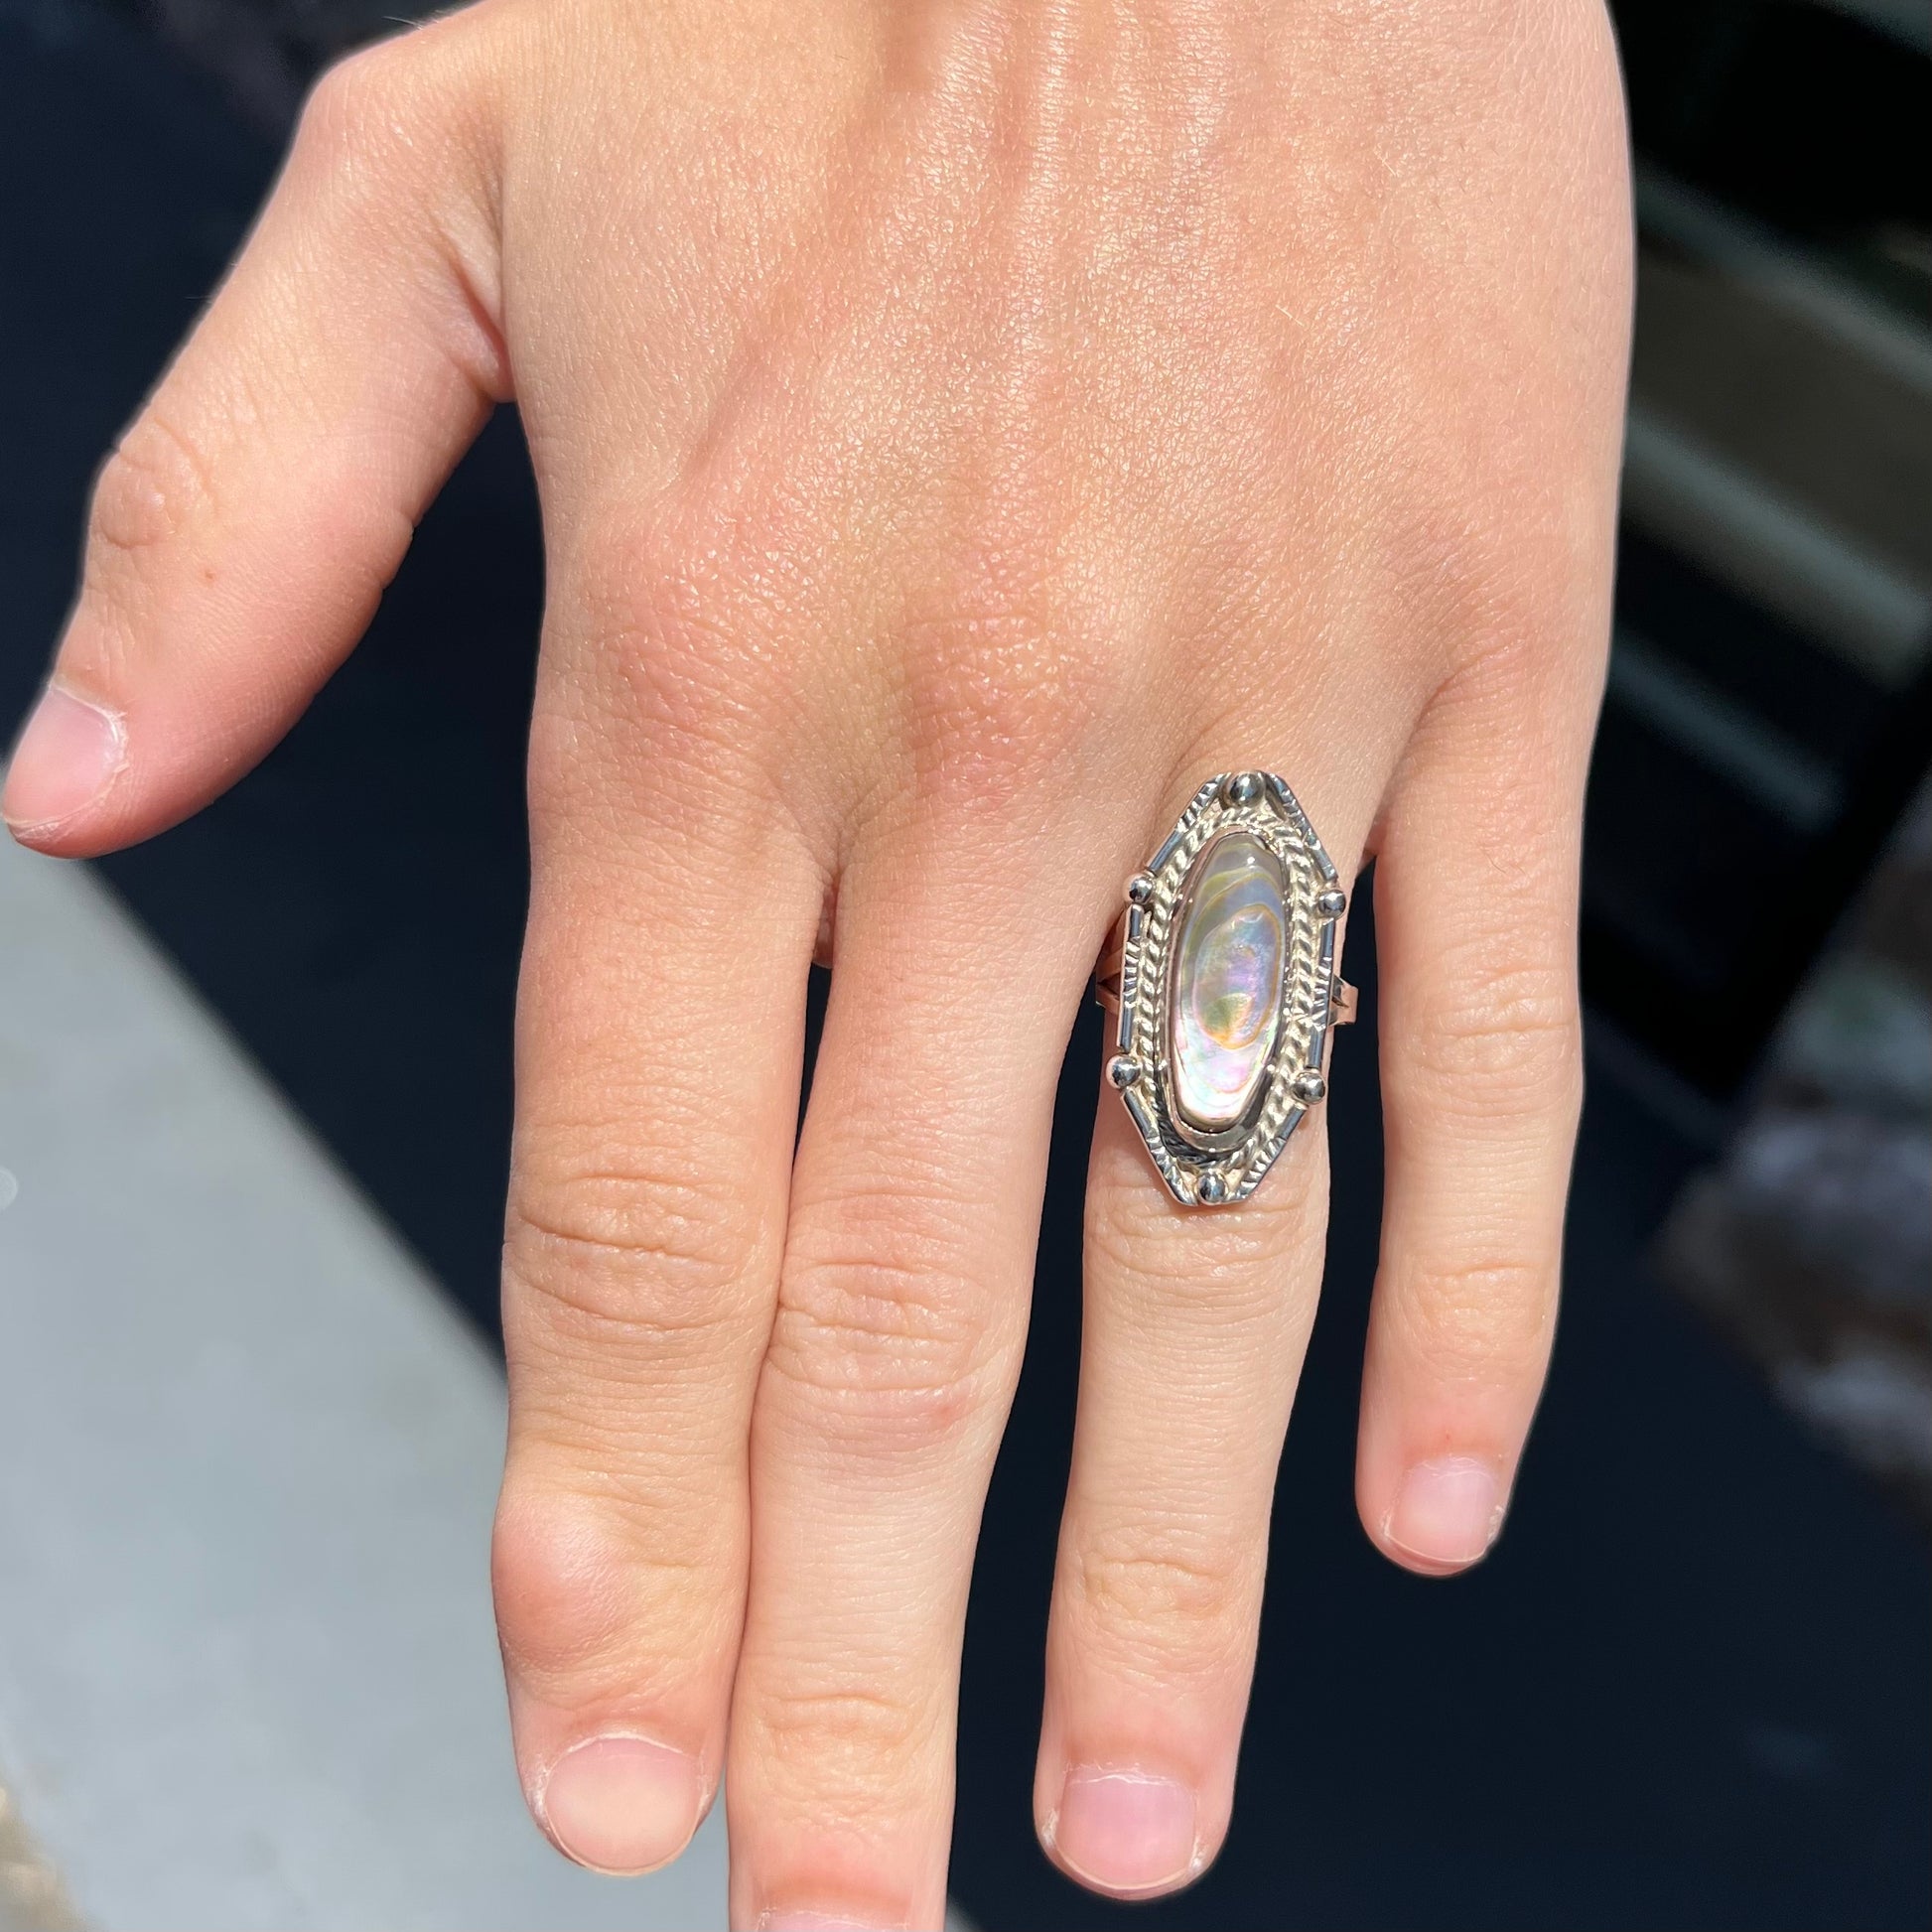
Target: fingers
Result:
[[1191, 1342], [1475, 905], [660, 1029], [901, 1323], [245, 526]]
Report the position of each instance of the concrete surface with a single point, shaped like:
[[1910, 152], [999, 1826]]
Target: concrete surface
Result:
[[248, 1457]]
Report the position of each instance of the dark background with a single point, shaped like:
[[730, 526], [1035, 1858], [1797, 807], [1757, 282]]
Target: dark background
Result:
[[1691, 1687]]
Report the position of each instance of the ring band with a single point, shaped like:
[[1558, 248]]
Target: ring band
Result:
[[1222, 970]]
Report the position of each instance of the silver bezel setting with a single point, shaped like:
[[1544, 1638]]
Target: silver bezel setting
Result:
[[1219, 1169]]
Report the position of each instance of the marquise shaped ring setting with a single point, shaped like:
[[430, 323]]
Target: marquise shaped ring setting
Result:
[[1222, 972]]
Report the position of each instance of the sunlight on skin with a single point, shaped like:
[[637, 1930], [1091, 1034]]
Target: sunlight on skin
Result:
[[960, 427]]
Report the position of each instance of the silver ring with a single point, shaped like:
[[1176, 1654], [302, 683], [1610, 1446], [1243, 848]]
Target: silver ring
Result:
[[1222, 970]]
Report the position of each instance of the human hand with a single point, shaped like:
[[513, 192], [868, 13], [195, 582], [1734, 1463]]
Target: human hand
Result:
[[960, 427]]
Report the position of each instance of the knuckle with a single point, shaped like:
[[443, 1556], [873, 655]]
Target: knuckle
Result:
[[641, 1245], [888, 1354], [152, 491], [1479, 1319], [835, 1727], [398, 111], [1175, 1589], [1493, 608], [1009, 690], [1146, 1249], [680, 646], [355, 111], [1506, 1037]]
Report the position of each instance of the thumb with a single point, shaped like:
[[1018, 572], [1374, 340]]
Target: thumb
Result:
[[244, 529]]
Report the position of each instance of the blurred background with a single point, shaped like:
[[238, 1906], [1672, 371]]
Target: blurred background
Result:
[[1691, 1687]]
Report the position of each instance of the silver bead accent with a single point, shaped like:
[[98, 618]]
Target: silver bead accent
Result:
[[1123, 1069], [1212, 1191], [1243, 788], [1139, 889], [1307, 1086], [1332, 903]]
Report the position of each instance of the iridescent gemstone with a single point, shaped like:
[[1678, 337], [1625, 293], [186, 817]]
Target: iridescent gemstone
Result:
[[1225, 1000]]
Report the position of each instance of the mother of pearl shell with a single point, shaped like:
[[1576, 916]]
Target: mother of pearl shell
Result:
[[1225, 996]]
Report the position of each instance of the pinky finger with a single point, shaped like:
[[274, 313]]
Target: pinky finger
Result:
[[1481, 1071]]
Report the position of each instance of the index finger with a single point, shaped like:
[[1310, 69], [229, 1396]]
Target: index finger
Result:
[[660, 1041]]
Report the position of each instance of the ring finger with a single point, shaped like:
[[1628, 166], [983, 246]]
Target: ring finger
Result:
[[1196, 1324]]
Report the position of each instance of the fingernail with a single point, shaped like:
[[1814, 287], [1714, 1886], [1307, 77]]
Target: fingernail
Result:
[[1124, 1831], [619, 1804], [64, 759], [1446, 1512]]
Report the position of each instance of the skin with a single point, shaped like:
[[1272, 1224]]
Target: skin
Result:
[[961, 426]]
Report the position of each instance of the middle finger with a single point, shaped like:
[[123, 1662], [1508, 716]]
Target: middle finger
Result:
[[915, 1205]]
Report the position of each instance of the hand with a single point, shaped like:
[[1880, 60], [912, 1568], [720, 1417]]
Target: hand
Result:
[[961, 426]]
